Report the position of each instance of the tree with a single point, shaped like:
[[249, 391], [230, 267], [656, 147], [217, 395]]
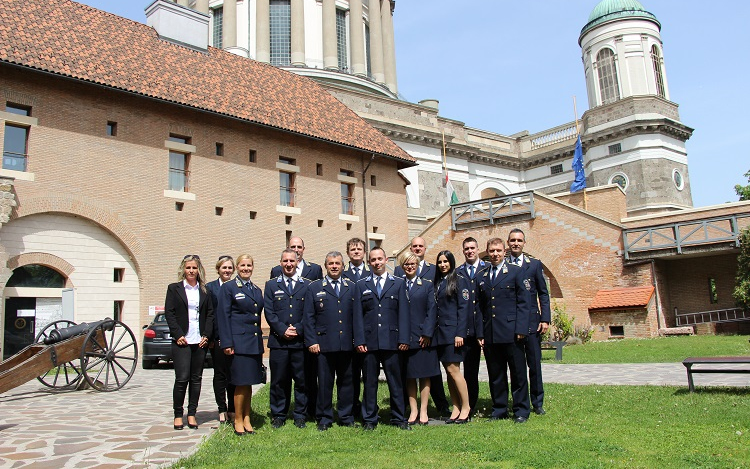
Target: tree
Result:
[[743, 191], [742, 283]]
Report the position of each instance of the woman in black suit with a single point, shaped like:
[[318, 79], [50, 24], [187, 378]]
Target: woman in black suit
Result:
[[190, 316], [421, 358], [223, 388], [238, 314], [452, 296]]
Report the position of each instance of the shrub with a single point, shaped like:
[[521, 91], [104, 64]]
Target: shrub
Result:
[[585, 333], [561, 322]]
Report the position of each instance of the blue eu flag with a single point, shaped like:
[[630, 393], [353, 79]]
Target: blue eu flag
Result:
[[580, 181]]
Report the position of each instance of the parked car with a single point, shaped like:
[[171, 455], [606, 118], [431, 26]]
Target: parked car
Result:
[[157, 343]]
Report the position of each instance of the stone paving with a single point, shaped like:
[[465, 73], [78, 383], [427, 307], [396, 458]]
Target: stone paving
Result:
[[132, 427]]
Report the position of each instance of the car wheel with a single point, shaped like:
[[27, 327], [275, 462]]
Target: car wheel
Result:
[[148, 364]]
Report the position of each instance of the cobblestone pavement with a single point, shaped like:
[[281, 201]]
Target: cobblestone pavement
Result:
[[132, 427]]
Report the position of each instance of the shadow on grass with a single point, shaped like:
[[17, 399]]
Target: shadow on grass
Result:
[[715, 390]]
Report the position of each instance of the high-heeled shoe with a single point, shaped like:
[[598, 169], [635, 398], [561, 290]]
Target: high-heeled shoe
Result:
[[461, 421], [192, 425], [222, 418], [180, 426], [240, 433], [450, 421], [412, 422], [423, 422]]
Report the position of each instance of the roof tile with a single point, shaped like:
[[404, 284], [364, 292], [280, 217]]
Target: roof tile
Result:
[[622, 298]]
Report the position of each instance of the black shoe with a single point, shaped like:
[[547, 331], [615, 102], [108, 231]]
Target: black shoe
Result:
[[412, 422], [461, 421], [520, 419], [278, 422], [368, 427], [539, 411], [300, 423], [323, 427], [403, 426], [500, 417], [450, 421]]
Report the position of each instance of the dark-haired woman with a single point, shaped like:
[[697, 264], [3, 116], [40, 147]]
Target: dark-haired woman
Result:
[[223, 388], [190, 315], [452, 295]]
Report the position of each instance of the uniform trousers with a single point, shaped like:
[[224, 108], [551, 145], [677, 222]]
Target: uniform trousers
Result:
[[338, 366], [358, 360], [287, 364], [437, 393], [499, 358], [391, 360], [533, 351], [471, 370], [223, 389], [188, 374]]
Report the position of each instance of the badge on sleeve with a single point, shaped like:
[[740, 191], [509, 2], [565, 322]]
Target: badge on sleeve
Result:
[[527, 285], [465, 294]]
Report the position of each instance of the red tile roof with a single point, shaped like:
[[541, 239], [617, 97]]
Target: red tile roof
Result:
[[78, 41], [622, 298]]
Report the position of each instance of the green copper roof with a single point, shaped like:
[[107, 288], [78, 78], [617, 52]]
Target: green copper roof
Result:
[[611, 10]]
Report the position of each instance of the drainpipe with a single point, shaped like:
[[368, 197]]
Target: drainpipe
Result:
[[364, 196]]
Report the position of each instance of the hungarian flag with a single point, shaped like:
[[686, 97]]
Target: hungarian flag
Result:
[[450, 191]]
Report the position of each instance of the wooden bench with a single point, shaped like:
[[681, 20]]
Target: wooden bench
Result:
[[557, 346], [708, 368]]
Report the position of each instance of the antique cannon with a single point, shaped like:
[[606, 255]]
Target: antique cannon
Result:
[[107, 352]]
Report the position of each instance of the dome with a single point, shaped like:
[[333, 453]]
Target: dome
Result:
[[611, 10]]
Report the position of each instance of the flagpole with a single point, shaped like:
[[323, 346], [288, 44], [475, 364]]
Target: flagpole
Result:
[[578, 134]]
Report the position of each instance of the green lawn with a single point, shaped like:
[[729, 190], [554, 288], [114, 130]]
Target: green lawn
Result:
[[586, 426], [656, 350]]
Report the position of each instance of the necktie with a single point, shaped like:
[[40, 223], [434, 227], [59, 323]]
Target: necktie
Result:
[[471, 271], [408, 284], [493, 275], [378, 288], [289, 284], [357, 273], [336, 287]]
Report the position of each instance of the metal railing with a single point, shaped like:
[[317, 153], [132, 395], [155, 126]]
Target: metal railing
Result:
[[14, 161], [493, 210], [677, 236], [717, 316]]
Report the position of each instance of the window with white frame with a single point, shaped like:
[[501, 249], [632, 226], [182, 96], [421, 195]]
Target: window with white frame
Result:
[[217, 33], [15, 141], [179, 162], [341, 40], [281, 32], [656, 61], [609, 89]]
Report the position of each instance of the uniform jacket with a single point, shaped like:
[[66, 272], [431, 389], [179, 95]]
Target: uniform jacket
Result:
[[381, 323], [473, 318], [422, 311], [504, 305], [533, 271], [238, 316], [428, 271], [283, 309], [452, 312], [176, 312], [348, 273], [310, 271], [329, 318], [213, 293]]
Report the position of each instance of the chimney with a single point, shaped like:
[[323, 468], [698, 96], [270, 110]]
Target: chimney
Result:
[[178, 24]]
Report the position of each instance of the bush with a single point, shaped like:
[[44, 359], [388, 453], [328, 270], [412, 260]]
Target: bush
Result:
[[585, 333], [561, 323]]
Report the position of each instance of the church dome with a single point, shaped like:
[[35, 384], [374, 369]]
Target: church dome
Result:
[[612, 10]]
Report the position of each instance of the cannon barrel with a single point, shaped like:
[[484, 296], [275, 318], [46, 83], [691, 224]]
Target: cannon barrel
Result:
[[58, 335]]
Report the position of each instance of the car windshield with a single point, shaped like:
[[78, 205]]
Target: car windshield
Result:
[[160, 318]]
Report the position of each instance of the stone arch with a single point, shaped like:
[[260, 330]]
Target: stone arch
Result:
[[97, 213], [42, 258], [479, 190]]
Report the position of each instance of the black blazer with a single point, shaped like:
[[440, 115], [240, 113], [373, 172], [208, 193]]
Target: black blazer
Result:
[[503, 305], [176, 312], [213, 293], [310, 271]]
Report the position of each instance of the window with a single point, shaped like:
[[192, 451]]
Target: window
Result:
[[218, 30], [616, 331], [341, 42], [713, 295], [607, 69], [18, 109], [367, 51], [679, 181], [556, 169], [281, 32], [219, 149], [15, 147], [117, 312], [614, 149], [118, 275], [111, 129], [287, 187], [656, 61], [179, 206], [178, 165], [620, 179], [373, 180], [219, 211], [253, 214], [347, 192], [252, 156], [319, 169]]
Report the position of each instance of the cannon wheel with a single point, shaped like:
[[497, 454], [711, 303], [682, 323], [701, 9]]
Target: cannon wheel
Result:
[[109, 356], [65, 375]]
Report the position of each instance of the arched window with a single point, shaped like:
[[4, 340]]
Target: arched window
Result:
[[607, 68], [658, 73], [37, 276]]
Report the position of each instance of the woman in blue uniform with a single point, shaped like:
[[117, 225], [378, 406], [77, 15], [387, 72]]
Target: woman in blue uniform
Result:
[[421, 358], [239, 316], [223, 389], [452, 296]]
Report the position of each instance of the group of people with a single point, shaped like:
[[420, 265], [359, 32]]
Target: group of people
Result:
[[338, 325]]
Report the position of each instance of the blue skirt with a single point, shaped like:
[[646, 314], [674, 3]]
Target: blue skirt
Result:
[[245, 370], [422, 363], [450, 354]]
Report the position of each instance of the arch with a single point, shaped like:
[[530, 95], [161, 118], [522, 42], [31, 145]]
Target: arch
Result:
[[99, 214], [606, 69], [42, 258], [481, 189], [657, 63]]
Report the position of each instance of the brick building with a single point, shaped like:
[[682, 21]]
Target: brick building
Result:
[[124, 151]]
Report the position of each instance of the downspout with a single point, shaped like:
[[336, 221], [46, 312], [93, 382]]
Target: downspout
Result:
[[364, 197]]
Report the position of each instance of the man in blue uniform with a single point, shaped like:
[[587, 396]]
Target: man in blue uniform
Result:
[[503, 299], [355, 271], [381, 330], [470, 270], [328, 335], [540, 314], [284, 300]]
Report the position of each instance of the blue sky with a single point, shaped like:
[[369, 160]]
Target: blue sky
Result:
[[511, 66]]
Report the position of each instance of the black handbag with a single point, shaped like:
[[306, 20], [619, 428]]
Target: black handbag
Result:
[[263, 373]]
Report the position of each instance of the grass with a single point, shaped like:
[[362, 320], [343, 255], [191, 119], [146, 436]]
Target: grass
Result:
[[586, 426], [656, 350]]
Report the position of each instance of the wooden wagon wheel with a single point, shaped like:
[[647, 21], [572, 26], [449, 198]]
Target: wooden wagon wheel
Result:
[[65, 375], [109, 356]]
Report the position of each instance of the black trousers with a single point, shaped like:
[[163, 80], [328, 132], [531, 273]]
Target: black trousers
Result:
[[338, 366], [223, 389], [533, 352], [391, 360], [471, 370], [287, 364], [437, 393], [500, 358], [188, 374], [358, 360]]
